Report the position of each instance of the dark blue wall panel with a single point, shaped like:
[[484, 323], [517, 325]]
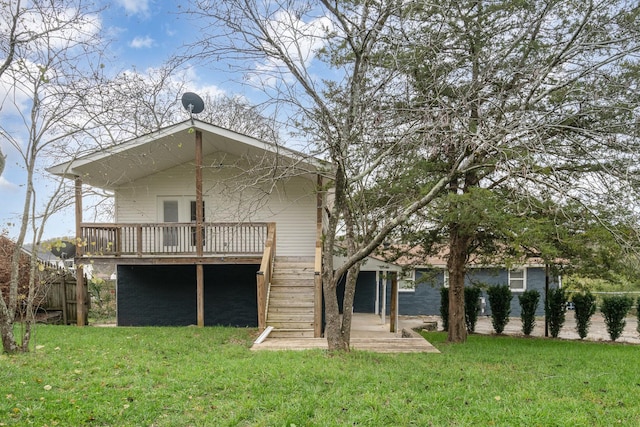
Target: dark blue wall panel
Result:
[[162, 295]]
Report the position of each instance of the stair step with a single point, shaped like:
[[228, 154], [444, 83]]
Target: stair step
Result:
[[291, 333], [292, 291], [290, 317], [291, 325], [290, 309], [277, 300], [291, 302]]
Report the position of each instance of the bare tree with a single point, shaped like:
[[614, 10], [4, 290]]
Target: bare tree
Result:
[[50, 48], [320, 63]]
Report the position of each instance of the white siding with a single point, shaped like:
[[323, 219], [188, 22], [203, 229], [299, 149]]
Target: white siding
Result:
[[230, 196]]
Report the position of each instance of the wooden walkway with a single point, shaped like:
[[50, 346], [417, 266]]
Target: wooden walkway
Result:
[[367, 334]]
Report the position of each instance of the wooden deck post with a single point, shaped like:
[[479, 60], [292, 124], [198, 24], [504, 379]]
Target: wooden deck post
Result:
[[80, 296], [199, 202], [393, 321], [200, 293], [199, 219]]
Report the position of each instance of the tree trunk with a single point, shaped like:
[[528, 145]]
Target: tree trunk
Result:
[[333, 327], [456, 265], [8, 338]]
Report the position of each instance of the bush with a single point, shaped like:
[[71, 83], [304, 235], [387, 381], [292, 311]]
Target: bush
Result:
[[471, 307], [500, 302], [556, 302], [529, 304], [444, 307], [614, 309], [585, 306], [638, 314]]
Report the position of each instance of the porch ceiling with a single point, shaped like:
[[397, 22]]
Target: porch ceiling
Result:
[[152, 153]]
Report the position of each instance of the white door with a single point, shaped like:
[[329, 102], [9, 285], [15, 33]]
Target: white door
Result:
[[177, 209]]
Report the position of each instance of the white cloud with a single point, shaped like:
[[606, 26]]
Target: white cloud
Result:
[[7, 185], [301, 42], [134, 6], [142, 42]]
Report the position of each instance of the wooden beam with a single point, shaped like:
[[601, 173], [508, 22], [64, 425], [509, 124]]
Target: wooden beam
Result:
[[200, 293], [393, 321], [199, 202], [80, 296], [317, 296]]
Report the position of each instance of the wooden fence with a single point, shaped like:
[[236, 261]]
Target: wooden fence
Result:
[[61, 296]]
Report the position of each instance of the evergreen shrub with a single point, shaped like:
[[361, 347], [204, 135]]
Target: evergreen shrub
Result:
[[614, 309], [471, 307], [529, 303], [500, 302], [556, 303], [585, 307], [444, 307], [638, 314]]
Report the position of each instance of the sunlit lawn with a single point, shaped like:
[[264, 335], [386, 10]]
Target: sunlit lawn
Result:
[[209, 377]]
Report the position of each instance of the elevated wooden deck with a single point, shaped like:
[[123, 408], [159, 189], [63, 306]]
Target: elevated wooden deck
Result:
[[172, 240]]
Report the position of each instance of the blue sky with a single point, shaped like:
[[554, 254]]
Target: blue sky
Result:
[[145, 33]]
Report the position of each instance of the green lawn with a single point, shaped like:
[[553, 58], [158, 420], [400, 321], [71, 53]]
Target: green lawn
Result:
[[208, 377]]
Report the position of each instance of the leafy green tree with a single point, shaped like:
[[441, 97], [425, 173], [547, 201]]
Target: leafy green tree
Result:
[[426, 109], [538, 92]]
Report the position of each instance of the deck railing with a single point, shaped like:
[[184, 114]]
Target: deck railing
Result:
[[173, 239]]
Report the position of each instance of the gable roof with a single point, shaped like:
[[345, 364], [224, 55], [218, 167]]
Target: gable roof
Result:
[[170, 146]]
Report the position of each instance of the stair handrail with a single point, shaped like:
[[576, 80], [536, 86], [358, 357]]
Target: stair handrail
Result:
[[264, 275], [317, 297]]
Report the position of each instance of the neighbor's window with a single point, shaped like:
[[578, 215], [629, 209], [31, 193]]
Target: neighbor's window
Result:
[[407, 281], [517, 279]]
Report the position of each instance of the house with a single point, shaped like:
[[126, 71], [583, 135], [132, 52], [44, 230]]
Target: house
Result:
[[423, 298], [211, 227], [421, 280]]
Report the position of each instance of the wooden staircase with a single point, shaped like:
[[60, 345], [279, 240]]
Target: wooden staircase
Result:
[[290, 310]]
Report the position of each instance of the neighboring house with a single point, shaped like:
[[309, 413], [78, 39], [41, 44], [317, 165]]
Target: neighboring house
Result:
[[424, 297], [373, 287], [211, 227], [419, 285]]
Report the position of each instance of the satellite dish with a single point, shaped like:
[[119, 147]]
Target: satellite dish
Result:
[[64, 250], [192, 103]]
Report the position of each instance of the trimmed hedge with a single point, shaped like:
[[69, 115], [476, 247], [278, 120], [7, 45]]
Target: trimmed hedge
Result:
[[471, 307], [556, 303], [529, 303], [638, 314], [585, 307], [614, 309], [500, 302], [444, 307]]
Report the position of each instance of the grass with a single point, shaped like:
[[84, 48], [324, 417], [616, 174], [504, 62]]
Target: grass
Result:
[[208, 377]]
